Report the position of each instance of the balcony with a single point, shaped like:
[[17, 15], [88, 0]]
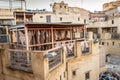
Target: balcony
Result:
[[46, 42]]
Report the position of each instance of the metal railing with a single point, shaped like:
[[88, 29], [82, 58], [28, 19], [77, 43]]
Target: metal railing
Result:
[[68, 47], [20, 60], [4, 38], [85, 46], [115, 36], [54, 57]]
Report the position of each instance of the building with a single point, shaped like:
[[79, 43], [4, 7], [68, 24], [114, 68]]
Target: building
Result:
[[63, 13], [111, 5], [49, 51], [23, 17], [6, 11], [50, 17], [108, 30], [63, 8], [51, 46], [59, 15]]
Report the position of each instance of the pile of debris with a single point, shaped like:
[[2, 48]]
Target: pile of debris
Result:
[[108, 75]]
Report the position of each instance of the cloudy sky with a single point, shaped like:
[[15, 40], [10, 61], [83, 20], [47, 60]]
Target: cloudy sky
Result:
[[87, 4], [45, 4]]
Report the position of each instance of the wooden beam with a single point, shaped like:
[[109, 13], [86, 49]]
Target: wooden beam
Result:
[[40, 44], [39, 28], [52, 35], [14, 50]]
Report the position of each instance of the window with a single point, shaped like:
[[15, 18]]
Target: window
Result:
[[102, 43], [41, 16], [64, 75], [48, 18], [113, 14], [84, 21], [113, 43], [107, 43], [112, 21], [78, 19], [60, 77], [64, 6], [74, 73], [60, 18], [87, 76], [60, 6]]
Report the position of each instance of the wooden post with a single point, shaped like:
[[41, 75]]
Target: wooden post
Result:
[[15, 14], [52, 34], [24, 17], [71, 34], [84, 31], [17, 37], [27, 44]]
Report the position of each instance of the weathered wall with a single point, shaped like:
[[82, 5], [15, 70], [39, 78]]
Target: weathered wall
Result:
[[111, 5], [83, 64], [56, 18], [112, 49], [7, 13], [63, 8], [11, 74], [102, 58]]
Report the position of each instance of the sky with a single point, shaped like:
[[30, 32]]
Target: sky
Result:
[[90, 5]]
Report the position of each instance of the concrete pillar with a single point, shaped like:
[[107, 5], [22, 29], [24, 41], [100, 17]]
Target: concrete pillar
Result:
[[38, 63], [78, 49]]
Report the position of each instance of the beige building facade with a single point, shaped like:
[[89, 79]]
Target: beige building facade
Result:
[[59, 18], [51, 46], [64, 8]]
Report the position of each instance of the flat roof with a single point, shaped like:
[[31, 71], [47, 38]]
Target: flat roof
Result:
[[46, 24], [103, 27], [62, 23]]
